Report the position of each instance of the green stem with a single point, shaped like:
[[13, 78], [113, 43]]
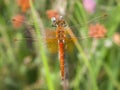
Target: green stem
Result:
[[42, 49], [86, 61]]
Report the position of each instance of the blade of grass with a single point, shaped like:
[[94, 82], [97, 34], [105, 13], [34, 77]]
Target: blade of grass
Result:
[[86, 61], [42, 49], [9, 52], [111, 77]]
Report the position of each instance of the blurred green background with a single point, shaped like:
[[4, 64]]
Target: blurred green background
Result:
[[92, 65]]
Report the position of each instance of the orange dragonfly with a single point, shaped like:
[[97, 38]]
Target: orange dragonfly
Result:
[[63, 34]]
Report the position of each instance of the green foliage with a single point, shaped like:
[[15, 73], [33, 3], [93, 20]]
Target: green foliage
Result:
[[93, 64]]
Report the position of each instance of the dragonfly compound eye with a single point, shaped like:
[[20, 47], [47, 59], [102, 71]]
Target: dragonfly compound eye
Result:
[[61, 17], [53, 19]]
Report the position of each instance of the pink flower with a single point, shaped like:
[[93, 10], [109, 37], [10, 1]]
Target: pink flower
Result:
[[97, 31], [18, 20], [89, 5], [52, 13], [24, 5]]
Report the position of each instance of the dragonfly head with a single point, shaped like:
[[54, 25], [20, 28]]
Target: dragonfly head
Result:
[[58, 22]]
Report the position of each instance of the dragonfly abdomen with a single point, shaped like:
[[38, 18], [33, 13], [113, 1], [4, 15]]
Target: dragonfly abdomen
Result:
[[61, 56]]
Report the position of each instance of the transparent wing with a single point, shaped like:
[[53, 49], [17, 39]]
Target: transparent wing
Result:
[[73, 34]]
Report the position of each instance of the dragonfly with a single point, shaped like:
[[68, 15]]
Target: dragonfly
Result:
[[63, 34]]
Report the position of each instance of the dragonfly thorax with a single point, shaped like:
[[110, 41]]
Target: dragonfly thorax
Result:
[[60, 34]]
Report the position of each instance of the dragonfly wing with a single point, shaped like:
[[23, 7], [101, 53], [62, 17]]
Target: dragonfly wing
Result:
[[49, 40]]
